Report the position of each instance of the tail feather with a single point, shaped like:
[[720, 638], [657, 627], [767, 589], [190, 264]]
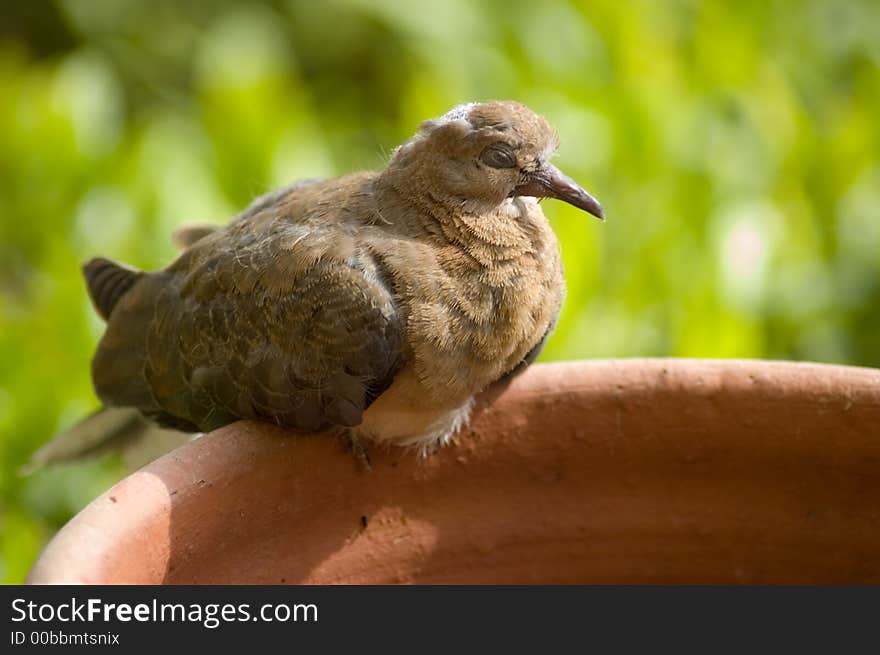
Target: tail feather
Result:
[[107, 282], [110, 429]]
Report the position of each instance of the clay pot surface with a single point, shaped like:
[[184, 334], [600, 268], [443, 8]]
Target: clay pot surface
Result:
[[623, 471]]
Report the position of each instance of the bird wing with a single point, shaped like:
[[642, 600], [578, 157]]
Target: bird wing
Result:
[[186, 235], [287, 321]]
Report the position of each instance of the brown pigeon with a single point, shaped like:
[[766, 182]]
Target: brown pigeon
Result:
[[375, 304]]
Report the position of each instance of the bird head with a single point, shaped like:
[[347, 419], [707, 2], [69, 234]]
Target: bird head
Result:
[[478, 155]]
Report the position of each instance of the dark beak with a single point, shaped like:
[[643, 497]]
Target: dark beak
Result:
[[549, 182]]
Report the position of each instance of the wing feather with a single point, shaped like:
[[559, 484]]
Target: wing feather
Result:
[[273, 318]]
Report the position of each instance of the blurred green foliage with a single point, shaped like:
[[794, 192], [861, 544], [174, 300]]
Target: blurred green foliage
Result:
[[734, 145]]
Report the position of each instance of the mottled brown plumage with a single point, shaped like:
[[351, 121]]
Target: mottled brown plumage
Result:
[[376, 302]]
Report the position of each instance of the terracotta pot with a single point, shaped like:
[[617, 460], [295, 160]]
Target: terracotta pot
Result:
[[634, 471]]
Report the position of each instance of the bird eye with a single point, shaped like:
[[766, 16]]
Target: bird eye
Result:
[[498, 156]]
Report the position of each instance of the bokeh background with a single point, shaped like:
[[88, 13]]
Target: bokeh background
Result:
[[734, 145]]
